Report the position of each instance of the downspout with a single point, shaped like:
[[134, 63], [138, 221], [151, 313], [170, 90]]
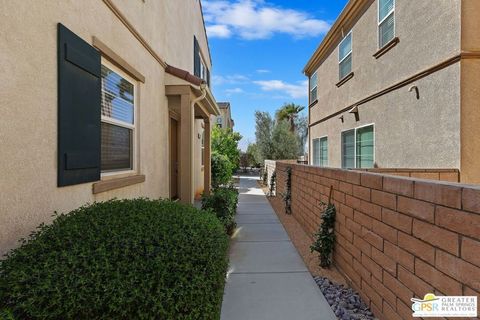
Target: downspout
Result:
[[203, 88]]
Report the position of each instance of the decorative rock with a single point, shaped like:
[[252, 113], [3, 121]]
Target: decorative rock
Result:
[[345, 302]]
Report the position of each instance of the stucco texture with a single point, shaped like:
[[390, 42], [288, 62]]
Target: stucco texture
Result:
[[28, 125]]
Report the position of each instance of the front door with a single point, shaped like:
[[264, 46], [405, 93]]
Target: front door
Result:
[[173, 159]]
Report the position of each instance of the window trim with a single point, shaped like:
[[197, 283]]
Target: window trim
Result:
[[379, 22], [349, 54], [133, 127], [355, 144], [310, 89]]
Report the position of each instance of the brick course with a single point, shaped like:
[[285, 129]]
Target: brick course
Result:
[[396, 237]]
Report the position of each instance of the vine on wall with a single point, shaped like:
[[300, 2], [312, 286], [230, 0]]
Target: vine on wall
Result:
[[273, 182], [325, 237], [287, 196]]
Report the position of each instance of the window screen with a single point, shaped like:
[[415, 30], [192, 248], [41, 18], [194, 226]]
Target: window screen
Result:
[[348, 149], [365, 146]]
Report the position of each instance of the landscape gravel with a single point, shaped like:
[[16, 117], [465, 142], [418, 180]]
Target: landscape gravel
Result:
[[345, 302]]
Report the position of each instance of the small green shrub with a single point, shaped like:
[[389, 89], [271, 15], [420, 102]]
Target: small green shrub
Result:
[[287, 195], [129, 259], [273, 182], [6, 314], [222, 170], [325, 237], [223, 202]]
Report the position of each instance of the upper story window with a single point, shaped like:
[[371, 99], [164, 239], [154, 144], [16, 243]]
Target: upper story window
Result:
[[313, 87], [118, 120], [345, 56], [200, 68], [386, 22]]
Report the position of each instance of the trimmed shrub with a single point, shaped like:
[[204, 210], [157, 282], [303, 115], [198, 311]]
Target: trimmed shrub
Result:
[[128, 259], [222, 170], [223, 202]]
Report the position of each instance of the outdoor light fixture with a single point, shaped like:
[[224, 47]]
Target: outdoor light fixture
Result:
[[341, 119], [354, 110], [416, 91]]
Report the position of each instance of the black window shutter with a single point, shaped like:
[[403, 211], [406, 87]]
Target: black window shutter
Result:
[[196, 57], [79, 97]]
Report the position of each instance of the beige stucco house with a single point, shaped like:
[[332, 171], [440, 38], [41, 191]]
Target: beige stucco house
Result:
[[224, 120], [104, 99], [395, 85]]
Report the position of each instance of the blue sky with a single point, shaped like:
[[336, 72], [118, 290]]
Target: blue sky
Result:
[[259, 48]]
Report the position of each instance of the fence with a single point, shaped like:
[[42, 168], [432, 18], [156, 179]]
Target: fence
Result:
[[397, 238]]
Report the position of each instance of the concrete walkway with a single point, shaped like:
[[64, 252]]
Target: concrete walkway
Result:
[[267, 278]]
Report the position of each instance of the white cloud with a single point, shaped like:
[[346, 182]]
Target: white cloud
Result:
[[230, 79], [234, 90], [256, 19], [296, 91], [263, 71]]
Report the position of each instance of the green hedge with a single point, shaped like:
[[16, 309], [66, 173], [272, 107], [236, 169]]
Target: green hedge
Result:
[[129, 259], [223, 202], [222, 170]]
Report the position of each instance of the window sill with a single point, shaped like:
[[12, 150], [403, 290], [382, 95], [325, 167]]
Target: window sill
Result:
[[344, 80], [392, 43], [116, 183], [313, 103]]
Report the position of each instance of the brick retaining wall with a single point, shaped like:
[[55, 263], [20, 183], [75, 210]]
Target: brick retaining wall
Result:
[[397, 237]]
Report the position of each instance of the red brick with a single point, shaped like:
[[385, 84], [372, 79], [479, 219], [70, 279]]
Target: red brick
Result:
[[390, 312], [353, 226], [449, 176], [371, 209], [397, 254], [397, 220], [352, 177], [372, 238], [471, 251], [345, 187], [372, 266], [419, 287], [387, 295], [419, 248], [471, 199], [450, 196], [439, 280], [384, 261], [458, 269], [385, 231], [348, 270], [470, 292], [402, 186], [371, 293], [384, 199], [363, 219], [439, 237], [460, 221], [345, 210], [362, 245], [403, 310], [348, 246], [338, 196], [426, 175], [347, 234], [352, 202], [361, 192], [416, 208], [364, 273], [374, 181], [399, 289]]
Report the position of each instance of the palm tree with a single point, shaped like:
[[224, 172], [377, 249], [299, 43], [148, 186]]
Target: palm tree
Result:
[[289, 112]]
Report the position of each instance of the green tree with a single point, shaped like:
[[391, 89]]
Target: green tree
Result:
[[222, 170], [254, 157], [285, 142], [225, 142], [289, 112], [264, 125]]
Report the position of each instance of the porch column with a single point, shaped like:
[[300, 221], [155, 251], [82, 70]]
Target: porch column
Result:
[[207, 168], [187, 123]]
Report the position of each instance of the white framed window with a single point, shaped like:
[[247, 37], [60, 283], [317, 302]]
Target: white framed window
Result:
[[345, 56], [313, 83], [386, 22], [358, 147], [320, 152], [118, 124]]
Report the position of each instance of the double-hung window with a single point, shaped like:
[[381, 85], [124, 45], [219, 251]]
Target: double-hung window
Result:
[[320, 152], [118, 120], [313, 87], [345, 56], [358, 147], [386, 22]]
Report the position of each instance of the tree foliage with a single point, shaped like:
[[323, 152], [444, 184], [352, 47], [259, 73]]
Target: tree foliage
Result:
[[289, 112], [222, 170], [253, 155], [264, 125], [285, 142], [225, 141]]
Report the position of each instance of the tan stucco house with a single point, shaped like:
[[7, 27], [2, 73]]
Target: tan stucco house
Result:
[[395, 85], [104, 99], [224, 120]]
